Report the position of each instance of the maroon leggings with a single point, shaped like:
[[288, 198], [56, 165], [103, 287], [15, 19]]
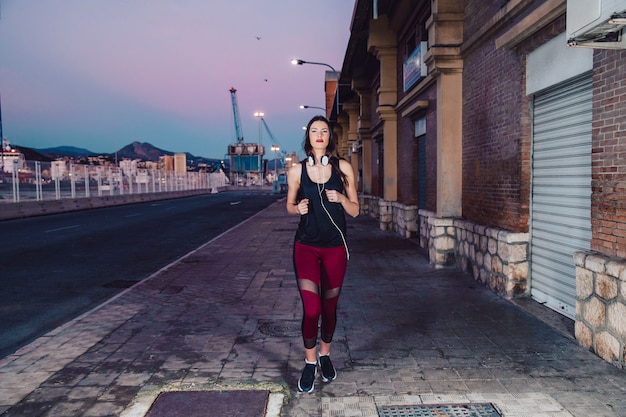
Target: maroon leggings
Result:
[[320, 273]]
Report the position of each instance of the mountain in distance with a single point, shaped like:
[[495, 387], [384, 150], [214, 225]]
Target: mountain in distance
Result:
[[136, 150], [144, 151], [148, 152], [65, 151], [33, 154]]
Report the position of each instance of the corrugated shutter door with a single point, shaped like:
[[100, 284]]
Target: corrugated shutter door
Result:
[[561, 191]]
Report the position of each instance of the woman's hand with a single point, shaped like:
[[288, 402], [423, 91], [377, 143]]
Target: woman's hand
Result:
[[335, 196], [303, 206]]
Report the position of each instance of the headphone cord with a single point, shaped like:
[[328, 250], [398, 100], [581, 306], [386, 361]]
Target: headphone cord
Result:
[[320, 190]]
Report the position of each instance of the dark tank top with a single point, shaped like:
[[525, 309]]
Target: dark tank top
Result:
[[315, 227]]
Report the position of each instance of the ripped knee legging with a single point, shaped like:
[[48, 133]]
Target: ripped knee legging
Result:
[[320, 273]]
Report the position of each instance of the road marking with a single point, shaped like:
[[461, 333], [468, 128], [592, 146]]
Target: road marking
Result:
[[234, 203], [63, 228], [134, 215]]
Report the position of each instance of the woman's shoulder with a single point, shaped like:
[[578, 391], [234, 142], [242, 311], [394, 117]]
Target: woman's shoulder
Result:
[[344, 164], [295, 170]]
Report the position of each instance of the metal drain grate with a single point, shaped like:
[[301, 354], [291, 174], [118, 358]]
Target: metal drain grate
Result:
[[439, 410], [284, 328]]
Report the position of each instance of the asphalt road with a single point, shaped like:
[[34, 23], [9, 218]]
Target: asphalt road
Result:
[[54, 268]]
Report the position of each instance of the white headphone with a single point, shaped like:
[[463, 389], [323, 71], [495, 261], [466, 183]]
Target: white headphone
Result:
[[325, 160]]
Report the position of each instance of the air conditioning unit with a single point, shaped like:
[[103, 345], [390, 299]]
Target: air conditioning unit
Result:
[[596, 23]]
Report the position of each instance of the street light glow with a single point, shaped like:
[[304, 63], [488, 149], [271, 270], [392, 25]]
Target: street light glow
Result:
[[304, 106], [302, 61]]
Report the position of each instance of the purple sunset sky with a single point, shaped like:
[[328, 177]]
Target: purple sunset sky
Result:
[[100, 74]]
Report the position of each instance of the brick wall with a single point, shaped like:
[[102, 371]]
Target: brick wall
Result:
[[608, 158], [495, 138], [477, 12]]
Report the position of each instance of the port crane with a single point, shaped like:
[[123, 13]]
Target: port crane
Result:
[[238, 129], [245, 158]]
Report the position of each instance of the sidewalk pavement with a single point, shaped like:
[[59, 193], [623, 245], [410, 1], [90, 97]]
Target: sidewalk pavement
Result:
[[227, 317]]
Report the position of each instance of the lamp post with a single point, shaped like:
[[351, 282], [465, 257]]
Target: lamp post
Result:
[[302, 62], [275, 149], [259, 115], [304, 106]]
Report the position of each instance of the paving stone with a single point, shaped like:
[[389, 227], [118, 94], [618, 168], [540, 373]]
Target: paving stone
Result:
[[406, 333]]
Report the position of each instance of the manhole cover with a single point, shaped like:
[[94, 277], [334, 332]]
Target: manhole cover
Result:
[[286, 328], [209, 404], [439, 410]]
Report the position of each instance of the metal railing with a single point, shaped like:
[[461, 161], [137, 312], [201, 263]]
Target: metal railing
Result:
[[34, 180]]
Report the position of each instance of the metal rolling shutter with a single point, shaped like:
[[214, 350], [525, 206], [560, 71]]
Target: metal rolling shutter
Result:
[[561, 191]]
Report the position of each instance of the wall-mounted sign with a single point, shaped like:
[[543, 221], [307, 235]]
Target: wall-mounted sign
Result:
[[414, 68]]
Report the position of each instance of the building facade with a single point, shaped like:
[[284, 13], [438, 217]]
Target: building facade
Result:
[[474, 127]]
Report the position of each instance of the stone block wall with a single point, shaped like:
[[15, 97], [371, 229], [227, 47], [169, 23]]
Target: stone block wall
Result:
[[439, 237], [405, 220], [385, 215], [601, 305], [497, 258], [395, 216], [369, 205]]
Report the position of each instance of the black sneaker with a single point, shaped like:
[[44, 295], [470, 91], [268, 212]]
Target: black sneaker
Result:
[[307, 379], [328, 370]]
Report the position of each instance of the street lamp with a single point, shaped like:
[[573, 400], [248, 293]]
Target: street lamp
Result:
[[259, 115], [304, 106], [302, 62], [275, 149]]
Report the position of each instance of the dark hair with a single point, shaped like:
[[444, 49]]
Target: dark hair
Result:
[[331, 149]]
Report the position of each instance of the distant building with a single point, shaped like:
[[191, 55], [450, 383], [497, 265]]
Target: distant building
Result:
[[58, 169], [180, 162], [290, 160], [129, 167], [166, 163], [152, 166]]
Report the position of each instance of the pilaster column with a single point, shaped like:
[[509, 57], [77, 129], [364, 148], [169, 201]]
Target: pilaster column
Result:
[[444, 61], [382, 43], [366, 158], [390, 157], [342, 138], [361, 86], [352, 110]]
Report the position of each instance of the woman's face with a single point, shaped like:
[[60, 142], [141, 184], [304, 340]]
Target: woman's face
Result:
[[319, 135]]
